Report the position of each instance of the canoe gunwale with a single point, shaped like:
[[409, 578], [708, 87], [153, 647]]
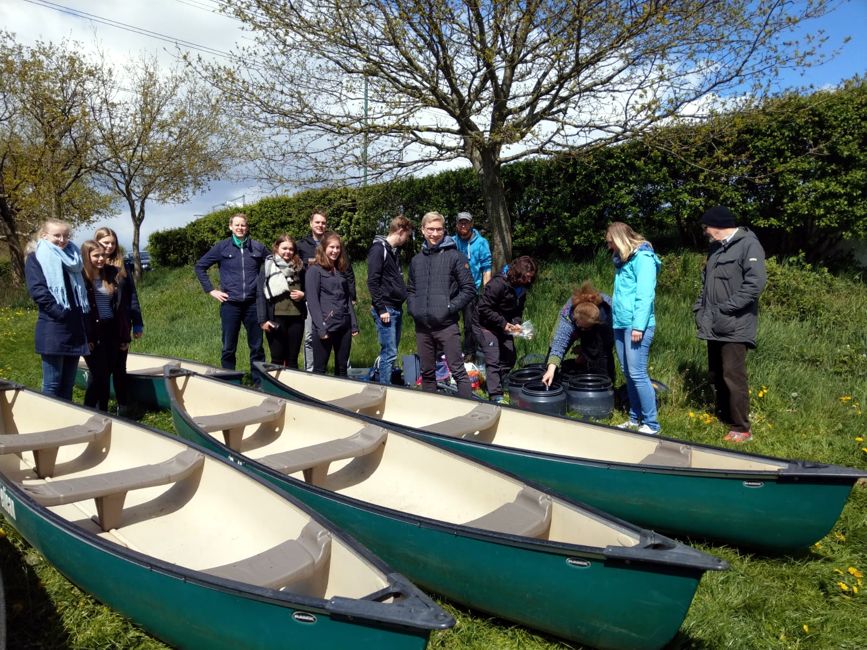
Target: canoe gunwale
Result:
[[653, 549], [794, 470], [420, 614]]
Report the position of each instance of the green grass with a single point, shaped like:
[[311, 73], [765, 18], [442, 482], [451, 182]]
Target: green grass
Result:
[[809, 391]]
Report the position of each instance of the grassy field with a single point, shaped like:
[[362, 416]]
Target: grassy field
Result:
[[809, 379]]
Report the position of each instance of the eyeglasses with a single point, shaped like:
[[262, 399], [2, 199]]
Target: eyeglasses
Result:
[[429, 229]]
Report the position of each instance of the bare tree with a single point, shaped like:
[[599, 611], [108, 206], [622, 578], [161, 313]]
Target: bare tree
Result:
[[47, 140], [163, 138], [346, 88]]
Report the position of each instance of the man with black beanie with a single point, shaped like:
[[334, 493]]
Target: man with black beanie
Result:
[[726, 314]]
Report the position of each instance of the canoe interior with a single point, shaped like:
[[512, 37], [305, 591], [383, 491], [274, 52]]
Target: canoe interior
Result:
[[398, 472], [214, 519], [517, 429]]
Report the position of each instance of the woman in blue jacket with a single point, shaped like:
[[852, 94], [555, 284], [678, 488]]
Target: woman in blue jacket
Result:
[[54, 281], [636, 267], [330, 305]]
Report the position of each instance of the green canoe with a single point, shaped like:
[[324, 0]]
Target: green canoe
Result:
[[196, 552], [684, 489], [145, 377], [452, 525]]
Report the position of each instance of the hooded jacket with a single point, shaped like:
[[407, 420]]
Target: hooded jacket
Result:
[[728, 307], [328, 300], [478, 252], [384, 276], [440, 285], [501, 303], [635, 289]]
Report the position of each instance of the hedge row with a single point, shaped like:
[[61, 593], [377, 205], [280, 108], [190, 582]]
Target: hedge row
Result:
[[794, 169]]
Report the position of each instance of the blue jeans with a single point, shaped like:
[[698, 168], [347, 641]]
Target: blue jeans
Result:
[[58, 374], [389, 339], [232, 315], [633, 363]]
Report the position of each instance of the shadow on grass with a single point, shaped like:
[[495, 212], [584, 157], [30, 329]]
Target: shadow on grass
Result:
[[32, 621], [698, 393]]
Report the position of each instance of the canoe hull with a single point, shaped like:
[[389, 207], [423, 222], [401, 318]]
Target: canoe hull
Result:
[[180, 611], [764, 510], [553, 588]]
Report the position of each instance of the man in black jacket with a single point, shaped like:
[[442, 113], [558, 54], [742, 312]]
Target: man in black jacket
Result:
[[388, 291], [440, 285], [726, 314], [307, 252], [239, 259]]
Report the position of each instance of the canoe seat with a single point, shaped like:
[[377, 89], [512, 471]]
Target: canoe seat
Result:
[[482, 417], [285, 565], [529, 515], [155, 371], [233, 423], [669, 454], [314, 460], [372, 396], [45, 444], [109, 489]]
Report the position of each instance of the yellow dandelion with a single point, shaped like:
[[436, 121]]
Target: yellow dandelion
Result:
[[843, 586], [854, 589], [817, 545], [806, 628], [864, 449], [845, 398], [855, 572], [840, 538], [858, 439], [692, 415]]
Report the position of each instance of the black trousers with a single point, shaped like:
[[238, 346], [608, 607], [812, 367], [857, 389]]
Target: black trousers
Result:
[[499, 349], [101, 363], [727, 367], [472, 330], [340, 341], [285, 341], [447, 339]]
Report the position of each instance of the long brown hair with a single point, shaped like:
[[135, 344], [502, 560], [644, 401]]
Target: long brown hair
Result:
[[296, 260], [115, 259], [91, 273], [322, 259], [585, 305]]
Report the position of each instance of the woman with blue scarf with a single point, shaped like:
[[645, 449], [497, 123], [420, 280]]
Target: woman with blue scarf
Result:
[[54, 281], [636, 267]]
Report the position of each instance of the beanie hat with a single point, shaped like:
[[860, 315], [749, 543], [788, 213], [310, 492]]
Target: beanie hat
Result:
[[718, 217]]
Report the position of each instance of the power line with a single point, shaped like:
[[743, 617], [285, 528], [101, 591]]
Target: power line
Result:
[[131, 28]]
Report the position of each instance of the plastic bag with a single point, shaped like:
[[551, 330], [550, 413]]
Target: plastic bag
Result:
[[527, 330]]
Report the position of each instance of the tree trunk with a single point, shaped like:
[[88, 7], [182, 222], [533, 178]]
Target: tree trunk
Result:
[[487, 166], [9, 230]]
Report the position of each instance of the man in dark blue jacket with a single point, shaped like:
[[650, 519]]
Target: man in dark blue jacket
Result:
[[388, 291], [239, 259], [440, 285]]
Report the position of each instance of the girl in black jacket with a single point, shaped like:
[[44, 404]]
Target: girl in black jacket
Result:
[[129, 313], [501, 311], [280, 304], [104, 322], [330, 305]]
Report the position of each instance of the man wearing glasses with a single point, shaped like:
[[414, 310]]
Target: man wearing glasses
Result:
[[440, 286]]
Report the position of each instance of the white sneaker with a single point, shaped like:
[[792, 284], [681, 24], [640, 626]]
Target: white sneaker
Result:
[[629, 424], [646, 429]]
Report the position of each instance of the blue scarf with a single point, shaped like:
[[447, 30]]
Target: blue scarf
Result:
[[54, 261]]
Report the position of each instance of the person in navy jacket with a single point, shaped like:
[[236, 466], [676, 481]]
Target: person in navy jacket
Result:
[[239, 259], [54, 281]]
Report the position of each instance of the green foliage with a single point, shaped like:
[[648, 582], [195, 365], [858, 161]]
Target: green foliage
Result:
[[794, 169]]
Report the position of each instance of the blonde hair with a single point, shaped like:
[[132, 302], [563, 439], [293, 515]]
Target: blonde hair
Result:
[[89, 270], [116, 259], [585, 305], [43, 230], [625, 239], [432, 216]]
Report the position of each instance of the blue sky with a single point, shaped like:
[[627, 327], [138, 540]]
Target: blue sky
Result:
[[30, 21]]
